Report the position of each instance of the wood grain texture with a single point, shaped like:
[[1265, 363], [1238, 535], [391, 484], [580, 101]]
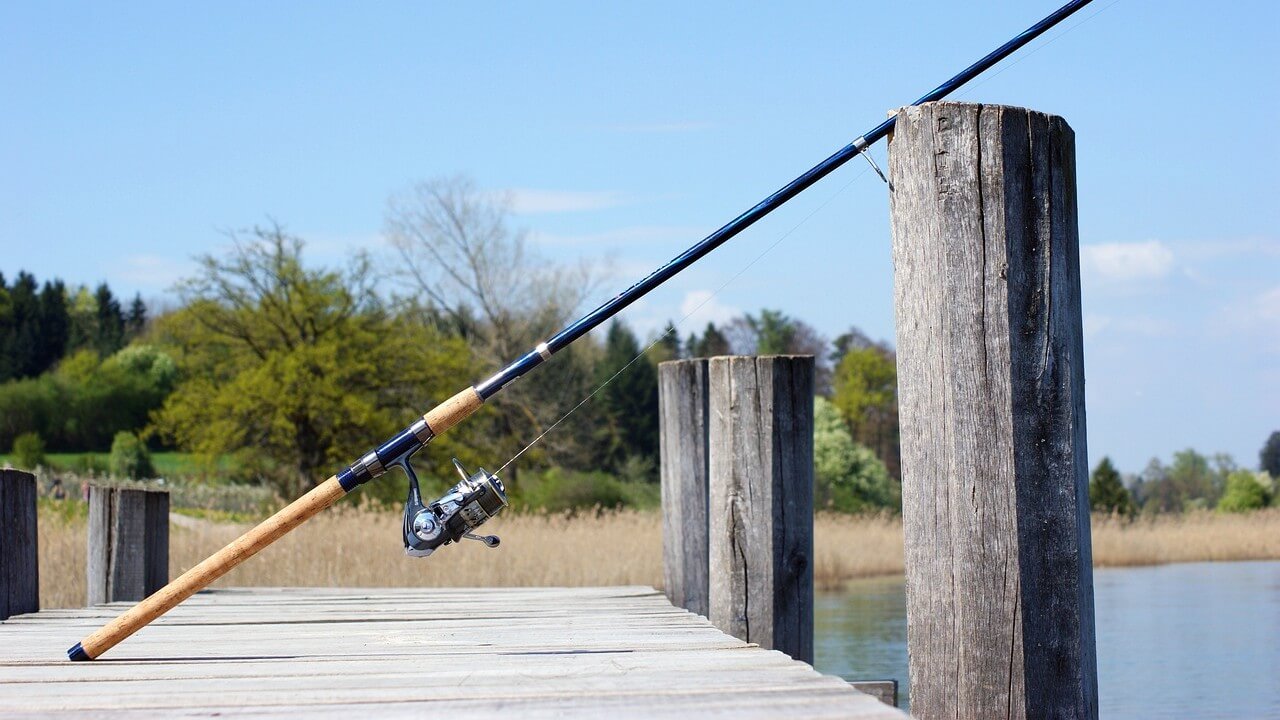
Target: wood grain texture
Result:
[[991, 386], [453, 411], [19, 566], [213, 567], [128, 543], [682, 422], [761, 500], [617, 652]]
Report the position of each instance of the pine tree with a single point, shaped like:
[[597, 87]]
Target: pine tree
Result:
[[136, 321], [1269, 457], [712, 343], [1106, 492], [628, 405], [110, 330], [54, 324], [24, 346]]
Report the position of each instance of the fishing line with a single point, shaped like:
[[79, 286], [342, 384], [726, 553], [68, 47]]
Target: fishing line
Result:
[[680, 323]]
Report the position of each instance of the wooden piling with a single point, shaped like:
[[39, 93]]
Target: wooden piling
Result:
[[19, 566], [682, 420], [128, 543], [761, 500], [991, 384]]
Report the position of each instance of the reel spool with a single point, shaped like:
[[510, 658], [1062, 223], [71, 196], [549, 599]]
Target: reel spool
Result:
[[452, 518]]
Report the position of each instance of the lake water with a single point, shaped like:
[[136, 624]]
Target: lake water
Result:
[[1174, 641]]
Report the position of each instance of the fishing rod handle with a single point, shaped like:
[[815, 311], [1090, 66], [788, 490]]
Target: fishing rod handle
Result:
[[438, 419], [210, 569], [453, 411]]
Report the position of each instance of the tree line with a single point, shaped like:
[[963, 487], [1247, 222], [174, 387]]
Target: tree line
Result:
[[288, 370], [40, 325], [1190, 482]]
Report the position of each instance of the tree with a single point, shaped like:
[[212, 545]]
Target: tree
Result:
[[1107, 493], [866, 394], [1269, 456], [295, 369], [54, 323], [1245, 490], [667, 346], [476, 276], [136, 321], [109, 326], [24, 345], [28, 451], [847, 477], [627, 401], [712, 343], [130, 457]]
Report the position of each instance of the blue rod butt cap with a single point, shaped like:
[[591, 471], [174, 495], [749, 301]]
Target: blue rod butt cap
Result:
[[77, 653]]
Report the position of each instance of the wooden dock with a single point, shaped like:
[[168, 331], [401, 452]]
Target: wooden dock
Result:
[[452, 653]]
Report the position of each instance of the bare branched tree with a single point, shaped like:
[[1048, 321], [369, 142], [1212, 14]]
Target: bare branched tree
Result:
[[456, 246]]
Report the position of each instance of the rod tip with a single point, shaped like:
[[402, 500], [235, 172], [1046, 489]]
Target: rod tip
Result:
[[77, 653]]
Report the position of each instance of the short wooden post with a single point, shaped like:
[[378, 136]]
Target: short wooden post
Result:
[[991, 384], [682, 419], [19, 559], [128, 543], [761, 500]]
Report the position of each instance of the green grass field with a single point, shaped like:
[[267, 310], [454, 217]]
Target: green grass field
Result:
[[167, 464]]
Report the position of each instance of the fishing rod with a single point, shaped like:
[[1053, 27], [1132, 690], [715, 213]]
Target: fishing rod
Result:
[[479, 496]]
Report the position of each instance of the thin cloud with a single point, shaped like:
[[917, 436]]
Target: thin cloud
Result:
[[151, 272], [526, 201], [1149, 260], [701, 306]]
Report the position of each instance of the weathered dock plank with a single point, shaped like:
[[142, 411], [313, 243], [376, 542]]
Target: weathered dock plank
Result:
[[528, 652]]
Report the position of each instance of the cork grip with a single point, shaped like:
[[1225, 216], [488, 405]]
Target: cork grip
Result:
[[453, 411], [212, 568]]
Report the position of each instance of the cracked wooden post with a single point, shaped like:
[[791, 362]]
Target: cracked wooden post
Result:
[[128, 543], [682, 420], [761, 500], [19, 566], [991, 387]]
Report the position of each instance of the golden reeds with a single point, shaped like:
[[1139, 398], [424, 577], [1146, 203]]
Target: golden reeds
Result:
[[353, 547]]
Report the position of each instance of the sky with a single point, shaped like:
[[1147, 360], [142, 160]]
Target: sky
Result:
[[133, 137]]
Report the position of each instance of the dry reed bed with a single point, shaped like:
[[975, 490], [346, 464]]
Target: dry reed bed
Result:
[[361, 548]]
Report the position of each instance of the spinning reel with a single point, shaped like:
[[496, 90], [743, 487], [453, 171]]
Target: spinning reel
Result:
[[453, 517]]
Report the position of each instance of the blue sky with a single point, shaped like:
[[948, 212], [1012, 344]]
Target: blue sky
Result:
[[132, 136]]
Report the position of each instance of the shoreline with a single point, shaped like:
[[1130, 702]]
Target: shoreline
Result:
[[355, 547]]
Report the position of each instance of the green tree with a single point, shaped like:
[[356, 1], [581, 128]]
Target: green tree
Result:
[[713, 343], [1245, 491], [136, 321], [1107, 493], [130, 457], [866, 394], [847, 476], [295, 369], [54, 323], [627, 406], [1269, 456], [28, 451], [667, 346]]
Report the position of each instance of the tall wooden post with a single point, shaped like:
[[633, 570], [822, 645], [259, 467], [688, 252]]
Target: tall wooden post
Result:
[[991, 383], [128, 543], [19, 559], [761, 500], [682, 419]]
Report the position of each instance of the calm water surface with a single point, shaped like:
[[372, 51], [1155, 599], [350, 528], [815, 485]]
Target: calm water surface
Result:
[[1175, 641]]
